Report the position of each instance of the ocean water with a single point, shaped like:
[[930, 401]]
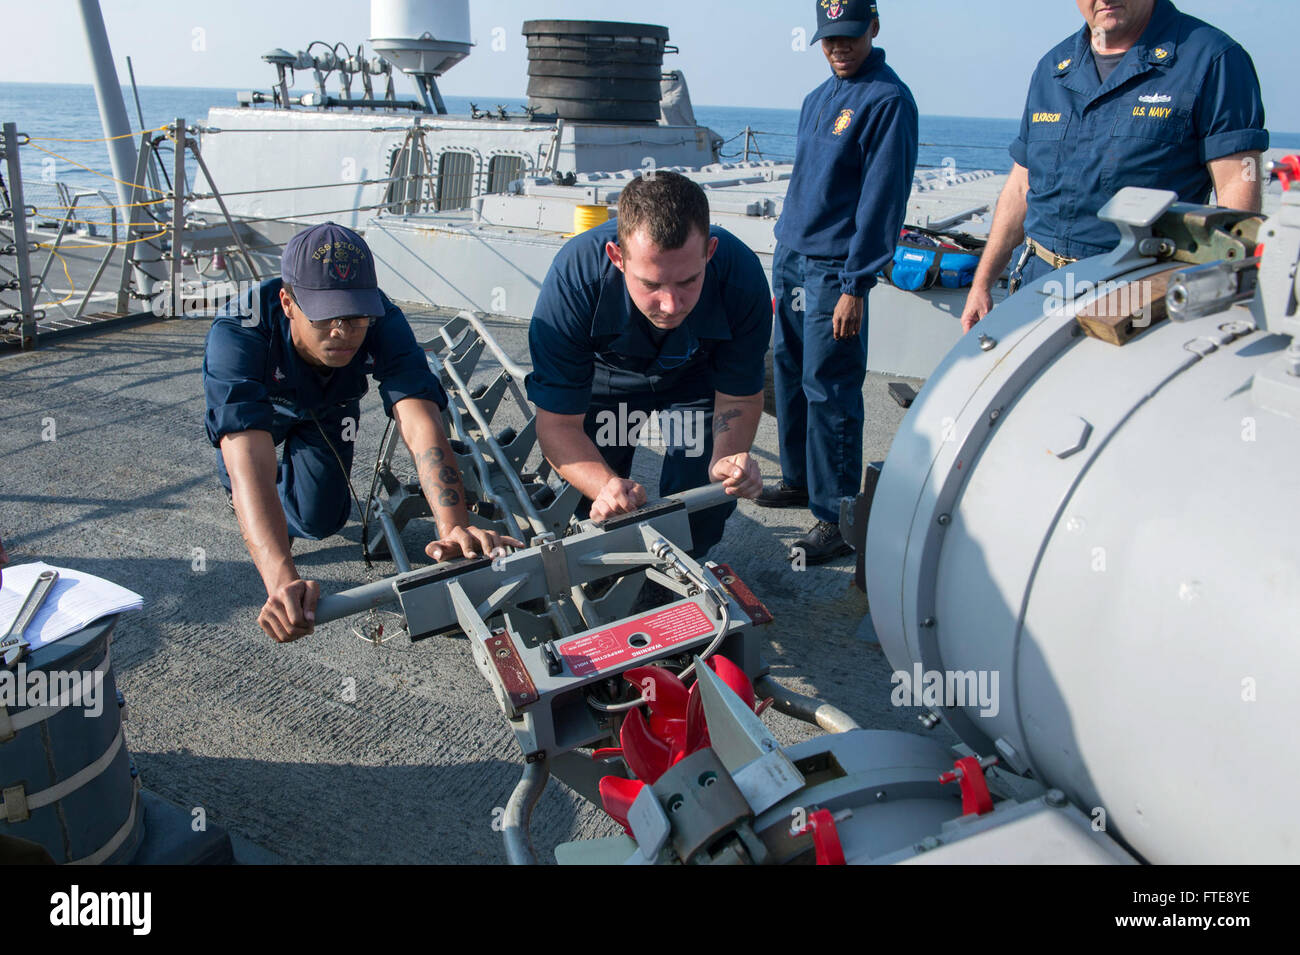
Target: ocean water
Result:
[[50, 113]]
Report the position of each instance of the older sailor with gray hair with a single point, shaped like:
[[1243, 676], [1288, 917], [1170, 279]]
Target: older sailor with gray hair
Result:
[[1141, 95]]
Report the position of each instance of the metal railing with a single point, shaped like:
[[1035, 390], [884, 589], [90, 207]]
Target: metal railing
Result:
[[155, 233], [14, 218]]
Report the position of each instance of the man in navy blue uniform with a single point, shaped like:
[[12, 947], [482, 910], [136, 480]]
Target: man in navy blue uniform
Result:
[[853, 167], [652, 326], [289, 366], [1142, 95]]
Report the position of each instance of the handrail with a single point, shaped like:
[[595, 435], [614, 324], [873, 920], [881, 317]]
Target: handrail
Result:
[[512, 367], [366, 597]]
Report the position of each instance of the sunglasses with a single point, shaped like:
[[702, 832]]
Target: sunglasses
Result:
[[348, 324], [326, 325]]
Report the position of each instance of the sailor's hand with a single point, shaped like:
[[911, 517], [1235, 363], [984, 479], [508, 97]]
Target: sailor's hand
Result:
[[470, 541], [739, 474], [618, 496], [290, 612], [978, 304], [848, 317]]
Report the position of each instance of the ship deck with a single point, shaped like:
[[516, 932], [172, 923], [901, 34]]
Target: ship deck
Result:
[[259, 734]]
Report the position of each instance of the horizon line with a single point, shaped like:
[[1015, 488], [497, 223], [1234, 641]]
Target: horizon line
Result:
[[236, 89]]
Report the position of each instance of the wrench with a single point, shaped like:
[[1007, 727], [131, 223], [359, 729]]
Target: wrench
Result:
[[12, 644]]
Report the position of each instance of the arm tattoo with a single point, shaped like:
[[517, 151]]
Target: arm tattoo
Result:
[[722, 421], [427, 461], [441, 482]]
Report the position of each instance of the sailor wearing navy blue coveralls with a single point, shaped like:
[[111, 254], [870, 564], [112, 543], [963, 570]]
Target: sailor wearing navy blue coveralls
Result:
[[1142, 95], [853, 167], [290, 368], [655, 314]]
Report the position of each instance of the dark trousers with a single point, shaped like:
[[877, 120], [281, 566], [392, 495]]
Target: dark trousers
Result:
[[313, 488], [687, 450], [819, 408]]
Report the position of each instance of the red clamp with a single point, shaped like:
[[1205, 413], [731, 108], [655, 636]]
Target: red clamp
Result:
[[1286, 169], [969, 771], [826, 838]]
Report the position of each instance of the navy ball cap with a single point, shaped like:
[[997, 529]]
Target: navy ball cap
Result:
[[332, 273], [844, 17]]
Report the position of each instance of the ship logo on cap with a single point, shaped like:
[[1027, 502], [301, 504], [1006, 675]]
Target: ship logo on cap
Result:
[[834, 9], [842, 121], [341, 258]]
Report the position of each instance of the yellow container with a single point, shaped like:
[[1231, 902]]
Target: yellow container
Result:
[[588, 217]]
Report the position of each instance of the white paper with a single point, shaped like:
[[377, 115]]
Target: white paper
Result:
[[77, 600]]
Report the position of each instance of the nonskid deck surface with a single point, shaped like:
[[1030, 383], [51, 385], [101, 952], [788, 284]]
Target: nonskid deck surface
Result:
[[331, 749]]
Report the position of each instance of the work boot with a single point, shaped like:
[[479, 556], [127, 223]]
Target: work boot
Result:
[[821, 544], [782, 495]]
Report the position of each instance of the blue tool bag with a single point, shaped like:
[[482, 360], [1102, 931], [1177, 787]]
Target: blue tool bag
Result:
[[957, 269], [922, 261], [913, 269]]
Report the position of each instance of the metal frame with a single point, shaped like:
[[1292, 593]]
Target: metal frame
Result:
[[527, 608], [18, 213], [67, 219], [544, 624], [504, 497], [134, 224]]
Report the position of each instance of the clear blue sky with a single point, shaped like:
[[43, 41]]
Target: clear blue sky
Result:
[[960, 58]]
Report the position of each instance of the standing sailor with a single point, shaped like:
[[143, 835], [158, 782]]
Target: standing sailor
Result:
[[853, 168], [655, 325], [289, 367], [1142, 95]]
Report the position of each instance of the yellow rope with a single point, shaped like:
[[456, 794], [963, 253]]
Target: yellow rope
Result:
[[71, 288], [105, 245], [104, 139], [77, 221], [95, 171], [119, 205]]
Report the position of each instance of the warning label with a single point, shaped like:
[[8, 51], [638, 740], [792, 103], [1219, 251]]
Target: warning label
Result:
[[645, 636]]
